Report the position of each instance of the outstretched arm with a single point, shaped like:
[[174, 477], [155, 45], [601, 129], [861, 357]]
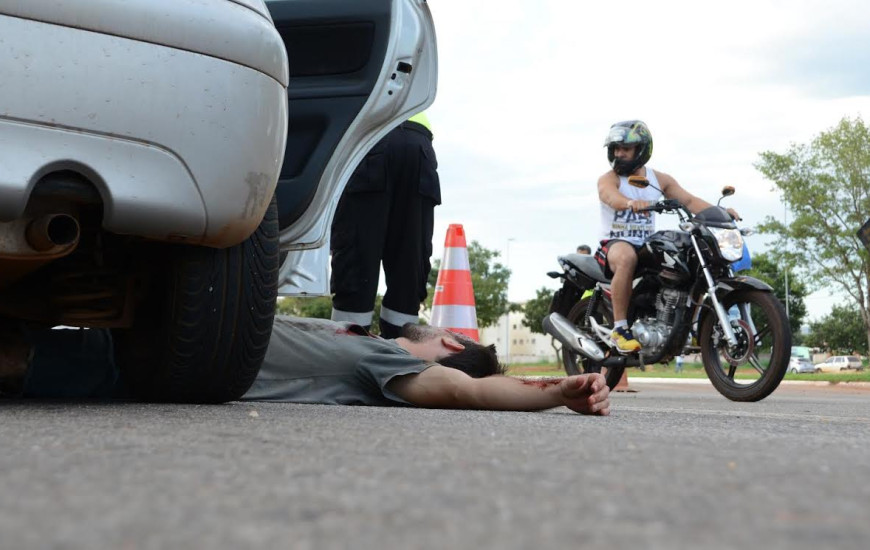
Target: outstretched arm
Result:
[[448, 388], [674, 190]]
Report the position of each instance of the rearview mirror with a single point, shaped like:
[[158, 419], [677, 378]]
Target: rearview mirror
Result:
[[727, 191], [639, 181]]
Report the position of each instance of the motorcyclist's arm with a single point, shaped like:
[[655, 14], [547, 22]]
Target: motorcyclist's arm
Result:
[[448, 388], [608, 192], [674, 190]]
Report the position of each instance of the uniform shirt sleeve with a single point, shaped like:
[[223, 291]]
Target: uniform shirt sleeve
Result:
[[375, 371]]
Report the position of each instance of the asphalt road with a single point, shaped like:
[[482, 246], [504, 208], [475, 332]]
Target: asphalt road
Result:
[[674, 466]]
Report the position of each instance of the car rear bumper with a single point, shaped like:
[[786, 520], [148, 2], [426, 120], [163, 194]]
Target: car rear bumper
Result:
[[184, 139], [239, 31]]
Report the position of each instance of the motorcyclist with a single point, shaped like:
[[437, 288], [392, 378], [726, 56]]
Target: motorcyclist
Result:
[[624, 228]]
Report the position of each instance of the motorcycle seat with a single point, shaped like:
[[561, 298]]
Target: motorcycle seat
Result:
[[585, 265]]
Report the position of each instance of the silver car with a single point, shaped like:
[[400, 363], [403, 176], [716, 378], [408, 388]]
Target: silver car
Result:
[[854, 362], [800, 365], [149, 175], [839, 363]]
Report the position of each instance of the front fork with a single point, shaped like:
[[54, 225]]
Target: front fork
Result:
[[724, 321]]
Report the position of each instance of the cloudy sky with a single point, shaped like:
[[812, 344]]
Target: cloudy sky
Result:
[[527, 90]]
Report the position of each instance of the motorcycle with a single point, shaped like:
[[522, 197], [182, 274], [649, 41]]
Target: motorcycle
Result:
[[684, 287]]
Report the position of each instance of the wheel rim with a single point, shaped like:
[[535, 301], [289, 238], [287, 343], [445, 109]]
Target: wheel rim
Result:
[[751, 361]]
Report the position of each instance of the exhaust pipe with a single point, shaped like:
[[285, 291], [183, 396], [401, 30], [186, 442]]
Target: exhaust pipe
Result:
[[52, 231], [560, 328]]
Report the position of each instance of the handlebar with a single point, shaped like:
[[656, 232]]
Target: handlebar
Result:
[[662, 206]]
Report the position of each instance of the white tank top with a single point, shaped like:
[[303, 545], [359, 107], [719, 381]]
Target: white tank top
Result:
[[625, 224]]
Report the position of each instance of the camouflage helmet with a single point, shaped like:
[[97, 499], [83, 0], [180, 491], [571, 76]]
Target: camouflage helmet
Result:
[[627, 133]]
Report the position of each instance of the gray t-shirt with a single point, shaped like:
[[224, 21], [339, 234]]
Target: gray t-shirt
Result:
[[322, 361]]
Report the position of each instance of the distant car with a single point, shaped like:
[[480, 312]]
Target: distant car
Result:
[[855, 362], [800, 365], [158, 158], [838, 363]]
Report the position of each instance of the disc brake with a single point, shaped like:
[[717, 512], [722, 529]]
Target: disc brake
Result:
[[739, 354]]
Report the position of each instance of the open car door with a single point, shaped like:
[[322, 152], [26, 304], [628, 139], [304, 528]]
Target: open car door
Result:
[[358, 68]]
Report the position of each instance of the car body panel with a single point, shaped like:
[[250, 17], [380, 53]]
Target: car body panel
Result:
[[183, 146], [854, 362], [132, 207], [256, 5], [239, 31], [829, 366], [401, 83]]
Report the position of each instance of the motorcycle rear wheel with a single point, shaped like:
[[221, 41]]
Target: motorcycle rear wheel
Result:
[[766, 349], [577, 364]]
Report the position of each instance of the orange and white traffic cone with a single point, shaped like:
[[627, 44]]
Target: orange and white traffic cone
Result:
[[453, 303]]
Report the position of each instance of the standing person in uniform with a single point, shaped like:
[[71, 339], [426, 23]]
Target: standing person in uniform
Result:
[[585, 250], [624, 228], [386, 214]]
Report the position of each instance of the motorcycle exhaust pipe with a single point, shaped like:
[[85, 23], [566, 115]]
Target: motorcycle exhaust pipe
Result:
[[52, 231], [560, 328]]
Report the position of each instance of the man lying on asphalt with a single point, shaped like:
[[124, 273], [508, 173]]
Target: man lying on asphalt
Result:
[[321, 361]]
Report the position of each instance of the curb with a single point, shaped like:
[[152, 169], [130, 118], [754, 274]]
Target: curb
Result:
[[646, 380]]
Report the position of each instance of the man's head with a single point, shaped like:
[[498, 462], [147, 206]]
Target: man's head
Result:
[[584, 249], [629, 146], [451, 349]]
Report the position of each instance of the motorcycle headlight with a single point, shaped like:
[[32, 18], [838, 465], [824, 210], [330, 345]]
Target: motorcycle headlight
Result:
[[730, 243]]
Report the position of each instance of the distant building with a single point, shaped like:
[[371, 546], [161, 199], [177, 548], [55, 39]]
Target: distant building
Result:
[[524, 346]]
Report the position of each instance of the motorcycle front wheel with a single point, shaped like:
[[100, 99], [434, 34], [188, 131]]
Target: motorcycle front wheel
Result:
[[576, 363], [754, 368]]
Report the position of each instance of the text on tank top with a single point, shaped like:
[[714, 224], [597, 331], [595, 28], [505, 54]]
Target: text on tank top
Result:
[[626, 225]]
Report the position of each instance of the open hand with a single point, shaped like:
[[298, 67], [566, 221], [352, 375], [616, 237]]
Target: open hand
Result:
[[586, 394]]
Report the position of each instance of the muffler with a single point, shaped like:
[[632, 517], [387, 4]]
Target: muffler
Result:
[[52, 231], [28, 244], [560, 328]]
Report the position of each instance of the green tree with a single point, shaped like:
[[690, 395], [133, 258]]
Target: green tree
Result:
[[536, 309], [489, 279], [534, 312], [319, 307], [767, 269], [839, 331], [826, 186], [304, 306]]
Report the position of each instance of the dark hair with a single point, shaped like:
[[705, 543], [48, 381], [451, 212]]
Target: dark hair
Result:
[[476, 360], [584, 248]]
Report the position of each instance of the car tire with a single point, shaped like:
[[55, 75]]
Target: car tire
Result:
[[201, 332], [793, 371]]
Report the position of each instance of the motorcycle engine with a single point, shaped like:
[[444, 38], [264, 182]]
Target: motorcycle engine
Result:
[[653, 332]]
